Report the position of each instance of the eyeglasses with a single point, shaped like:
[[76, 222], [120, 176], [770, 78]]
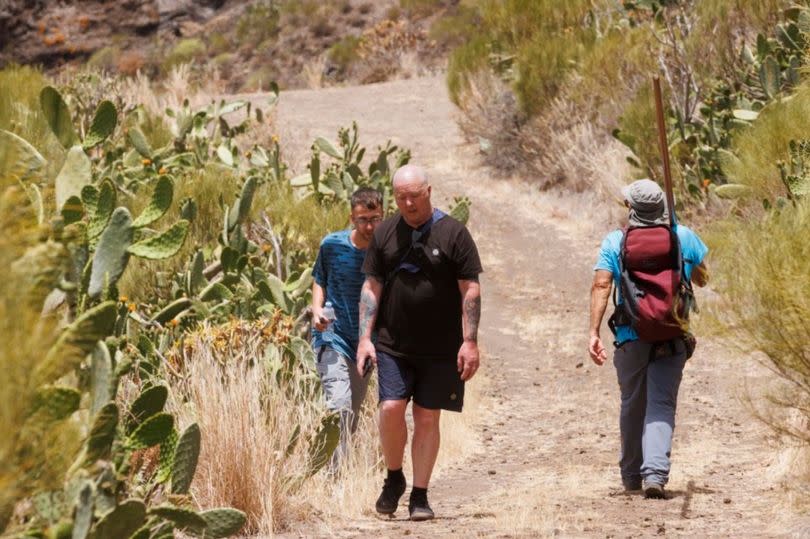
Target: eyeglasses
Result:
[[363, 221], [402, 197]]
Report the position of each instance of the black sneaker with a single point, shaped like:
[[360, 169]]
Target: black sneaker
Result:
[[654, 491], [392, 491], [419, 509], [631, 485]]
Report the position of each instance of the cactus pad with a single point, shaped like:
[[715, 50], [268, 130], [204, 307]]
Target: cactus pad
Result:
[[76, 341], [58, 116], [121, 522], [111, 256], [138, 140], [183, 519], [102, 434], [150, 402], [163, 245], [18, 159], [159, 205], [101, 377], [152, 431], [324, 442], [58, 402], [103, 125], [223, 522], [186, 455]]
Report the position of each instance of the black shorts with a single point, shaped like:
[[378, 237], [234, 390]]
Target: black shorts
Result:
[[433, 384]]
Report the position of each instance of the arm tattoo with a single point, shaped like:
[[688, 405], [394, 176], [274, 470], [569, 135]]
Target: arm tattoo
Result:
[[472, 315], [368, 311]]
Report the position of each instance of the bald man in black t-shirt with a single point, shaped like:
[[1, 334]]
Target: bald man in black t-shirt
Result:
[[422, 296]]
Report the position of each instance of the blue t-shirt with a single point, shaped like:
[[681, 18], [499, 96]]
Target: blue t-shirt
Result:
[[693, 251], [338, 270]]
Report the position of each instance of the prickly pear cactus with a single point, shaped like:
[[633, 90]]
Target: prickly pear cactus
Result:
[[163, 245], [58, 116], [104, 122], [323, 444], [222, 522], [101, 204], [150, 402], [75, 174], [138, 140], [159, 204], [183, 519], [102, 434], [121, 522], [151, 432], [186, 455], [102, 386], [57, 402], [76, 341], [111, 256], [18, 159]]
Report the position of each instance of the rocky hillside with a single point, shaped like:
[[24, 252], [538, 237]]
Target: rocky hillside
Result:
[[297, 43]]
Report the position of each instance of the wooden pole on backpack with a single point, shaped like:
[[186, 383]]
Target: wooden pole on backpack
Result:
[[664, 145]]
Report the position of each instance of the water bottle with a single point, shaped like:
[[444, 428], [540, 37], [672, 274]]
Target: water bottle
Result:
[[329, 313]]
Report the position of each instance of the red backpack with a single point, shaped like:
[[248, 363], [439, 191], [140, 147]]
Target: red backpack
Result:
[[656, 295]]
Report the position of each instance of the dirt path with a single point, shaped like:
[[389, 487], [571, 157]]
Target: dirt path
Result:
[[545, 462]]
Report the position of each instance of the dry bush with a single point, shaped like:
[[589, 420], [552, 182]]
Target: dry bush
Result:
[[180, 84], [313, 72], [247, 421], [560, 148], [130, 63], [490, 117], [248, 418]]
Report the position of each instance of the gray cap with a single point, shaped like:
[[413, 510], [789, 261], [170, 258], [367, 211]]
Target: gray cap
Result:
[[644, 195]]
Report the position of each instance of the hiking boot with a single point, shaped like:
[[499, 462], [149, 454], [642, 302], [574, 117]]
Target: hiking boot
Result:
[[419, 508], [392, 491], [631, 485], [654, 491]]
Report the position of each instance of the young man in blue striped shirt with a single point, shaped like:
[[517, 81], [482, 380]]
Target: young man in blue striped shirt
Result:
[[338, 280]]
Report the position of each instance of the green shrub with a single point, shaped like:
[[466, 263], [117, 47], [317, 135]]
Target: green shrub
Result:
[[422, 8], [218, 44], [105, 59], [532, 43], [21, 114], [258, 23], [767, 303], [637, 130], [767, 141], [185, 51], [465, 61], [345, 52], [456, 26]]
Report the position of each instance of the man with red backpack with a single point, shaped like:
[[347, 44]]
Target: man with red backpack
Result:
[[652, 264]]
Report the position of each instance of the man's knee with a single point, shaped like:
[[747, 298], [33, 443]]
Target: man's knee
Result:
[[425, 418], [393, 408]]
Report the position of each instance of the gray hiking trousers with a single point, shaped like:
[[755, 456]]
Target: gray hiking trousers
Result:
[[649, 378], [345, 391]]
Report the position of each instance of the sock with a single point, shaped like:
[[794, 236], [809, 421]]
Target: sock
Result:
[[396, 475], [418, 493]]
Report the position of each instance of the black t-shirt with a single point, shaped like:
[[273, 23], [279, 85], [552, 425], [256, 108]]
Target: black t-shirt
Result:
[[420, 312]]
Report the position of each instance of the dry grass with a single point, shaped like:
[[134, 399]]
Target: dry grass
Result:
[[530, 509], [313, 72], [247, 419], [490, 118], [243, 462], [180, 84]]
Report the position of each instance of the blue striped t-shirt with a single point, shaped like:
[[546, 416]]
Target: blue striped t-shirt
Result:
[[338, 270]]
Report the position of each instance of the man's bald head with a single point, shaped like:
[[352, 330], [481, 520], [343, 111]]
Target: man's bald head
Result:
[[410, 174]]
